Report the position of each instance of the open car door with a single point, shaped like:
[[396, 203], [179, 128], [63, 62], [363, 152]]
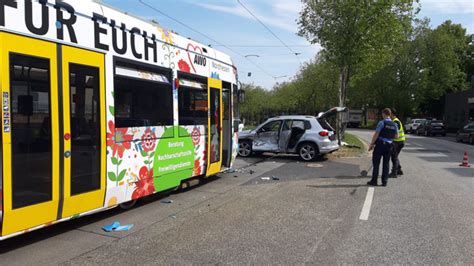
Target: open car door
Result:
[[324, 116], [332, 112]]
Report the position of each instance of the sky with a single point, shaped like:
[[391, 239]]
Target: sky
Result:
[[252, 47]]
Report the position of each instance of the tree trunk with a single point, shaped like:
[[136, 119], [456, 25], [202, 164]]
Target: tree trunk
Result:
[[343, 80]]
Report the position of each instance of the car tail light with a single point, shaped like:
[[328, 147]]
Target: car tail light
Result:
[[324, 134]]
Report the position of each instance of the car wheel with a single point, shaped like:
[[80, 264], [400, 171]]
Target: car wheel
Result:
[[418, 132], [308, 151], [471, 140], [245, 148], [426, 133]]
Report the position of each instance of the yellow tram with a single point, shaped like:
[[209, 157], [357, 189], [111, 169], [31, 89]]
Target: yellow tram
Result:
[[101, 108]]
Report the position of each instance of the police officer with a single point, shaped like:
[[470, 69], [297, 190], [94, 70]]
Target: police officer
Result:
[[398, 145], [381, 144]]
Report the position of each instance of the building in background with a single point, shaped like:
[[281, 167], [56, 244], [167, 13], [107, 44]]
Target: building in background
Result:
[[459, 108]]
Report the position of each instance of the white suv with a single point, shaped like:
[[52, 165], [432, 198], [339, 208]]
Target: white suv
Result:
[[307, 136], [413, 125]]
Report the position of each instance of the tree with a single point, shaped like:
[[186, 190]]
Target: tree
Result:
[[354, 32], [253, 110], [443, 64]]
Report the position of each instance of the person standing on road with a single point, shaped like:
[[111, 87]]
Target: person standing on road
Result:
[[381, 144], [398, 145]]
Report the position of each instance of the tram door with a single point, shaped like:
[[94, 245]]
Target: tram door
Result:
[[214, 143], [83, 103], [227, 125], [53, 150], [30, 132]]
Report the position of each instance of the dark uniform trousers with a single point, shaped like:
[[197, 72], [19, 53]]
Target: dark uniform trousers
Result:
[[382, 152], [397, 148]]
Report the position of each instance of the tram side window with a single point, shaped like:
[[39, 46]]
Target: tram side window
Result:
[[31, 130], [193, 105], [142, 98]]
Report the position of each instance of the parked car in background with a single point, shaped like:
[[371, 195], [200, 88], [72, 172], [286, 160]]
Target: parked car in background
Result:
[[307, 136], [431, 128], [466, 134], [413, 125]]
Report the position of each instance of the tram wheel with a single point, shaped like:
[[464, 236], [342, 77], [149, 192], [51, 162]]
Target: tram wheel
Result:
[[128, 205]]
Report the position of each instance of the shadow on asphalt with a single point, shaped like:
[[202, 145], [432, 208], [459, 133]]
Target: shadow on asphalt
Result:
[[349, 177], [421, 150], [64, 227], [462, 172], [336, 186], [256, 159]]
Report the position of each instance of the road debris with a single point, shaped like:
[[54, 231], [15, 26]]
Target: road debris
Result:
[[345, 144], [231, 170], [275, 178], [265, 178], [166, 201], [116, 227]]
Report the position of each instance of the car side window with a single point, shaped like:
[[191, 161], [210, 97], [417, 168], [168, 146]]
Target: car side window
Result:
[[273, 126], [298, 124], [286, 125]]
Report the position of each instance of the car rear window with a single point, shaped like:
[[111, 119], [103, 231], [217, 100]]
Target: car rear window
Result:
[[325, 125]]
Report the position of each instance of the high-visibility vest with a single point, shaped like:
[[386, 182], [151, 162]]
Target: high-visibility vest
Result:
[[401, 131]]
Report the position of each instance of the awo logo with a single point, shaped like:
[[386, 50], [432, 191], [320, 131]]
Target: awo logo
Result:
[[199, 59]]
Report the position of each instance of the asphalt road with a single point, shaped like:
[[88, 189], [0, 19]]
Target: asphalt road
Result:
[[310, 215]]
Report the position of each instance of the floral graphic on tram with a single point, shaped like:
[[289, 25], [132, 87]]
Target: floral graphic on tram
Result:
[[144, 185], [148, 140], [166, 36], [183, 66], [118, 140]]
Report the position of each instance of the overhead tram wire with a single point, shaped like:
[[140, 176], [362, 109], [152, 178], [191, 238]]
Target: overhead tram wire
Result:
[[266, 46], [269, 30], [204, 35]]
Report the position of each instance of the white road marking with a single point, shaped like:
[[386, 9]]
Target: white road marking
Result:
[[431, 155], [412, 149], [364, 215]]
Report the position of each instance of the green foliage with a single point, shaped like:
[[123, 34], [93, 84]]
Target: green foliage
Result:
[[427, 65], [375, 55], [356, 33], [314, 89]]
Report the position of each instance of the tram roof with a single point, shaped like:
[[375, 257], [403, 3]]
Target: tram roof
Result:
[[221, 56]]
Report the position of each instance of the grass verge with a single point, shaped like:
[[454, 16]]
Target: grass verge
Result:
[[356, 148]]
